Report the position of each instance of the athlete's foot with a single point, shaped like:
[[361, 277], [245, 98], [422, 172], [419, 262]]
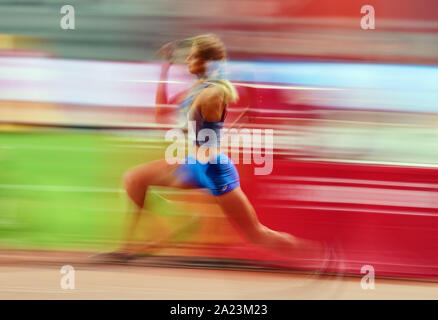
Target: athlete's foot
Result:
[[310, 255], [325, 259]]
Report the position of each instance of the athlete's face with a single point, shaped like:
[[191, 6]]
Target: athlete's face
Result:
[[195, 63]]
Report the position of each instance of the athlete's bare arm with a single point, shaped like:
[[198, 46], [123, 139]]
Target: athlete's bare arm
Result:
[[162, 100]]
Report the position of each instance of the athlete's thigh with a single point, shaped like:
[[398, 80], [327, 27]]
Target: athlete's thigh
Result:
[[238, 209], [157, 173]]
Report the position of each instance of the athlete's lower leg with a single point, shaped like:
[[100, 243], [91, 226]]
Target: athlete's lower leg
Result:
[[240, 211], [136, 189], [137, 182]]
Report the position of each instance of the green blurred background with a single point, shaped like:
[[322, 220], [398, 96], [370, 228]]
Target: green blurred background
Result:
[[63, 190]]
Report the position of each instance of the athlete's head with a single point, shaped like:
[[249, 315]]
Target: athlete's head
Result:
[[205, 48], [207, 59]]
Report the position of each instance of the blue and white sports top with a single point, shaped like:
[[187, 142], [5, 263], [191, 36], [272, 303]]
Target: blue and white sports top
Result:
[[194, 116]]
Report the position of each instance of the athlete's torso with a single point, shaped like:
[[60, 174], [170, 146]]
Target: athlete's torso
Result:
[[195, 118]]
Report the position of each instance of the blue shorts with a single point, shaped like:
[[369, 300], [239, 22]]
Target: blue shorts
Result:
[[218, 177]]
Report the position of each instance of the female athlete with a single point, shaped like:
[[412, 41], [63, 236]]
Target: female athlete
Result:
[[207, 105]]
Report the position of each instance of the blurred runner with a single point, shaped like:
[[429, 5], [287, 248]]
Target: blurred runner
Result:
[[206, 105]]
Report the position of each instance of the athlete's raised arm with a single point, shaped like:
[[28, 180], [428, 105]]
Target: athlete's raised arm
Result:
[[162, 99]]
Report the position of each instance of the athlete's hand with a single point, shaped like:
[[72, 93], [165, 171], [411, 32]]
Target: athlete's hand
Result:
[[166, 52]]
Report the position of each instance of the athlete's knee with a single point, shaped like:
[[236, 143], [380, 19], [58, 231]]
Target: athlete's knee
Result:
[[140, 176], [135, 187], [130, 179]]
